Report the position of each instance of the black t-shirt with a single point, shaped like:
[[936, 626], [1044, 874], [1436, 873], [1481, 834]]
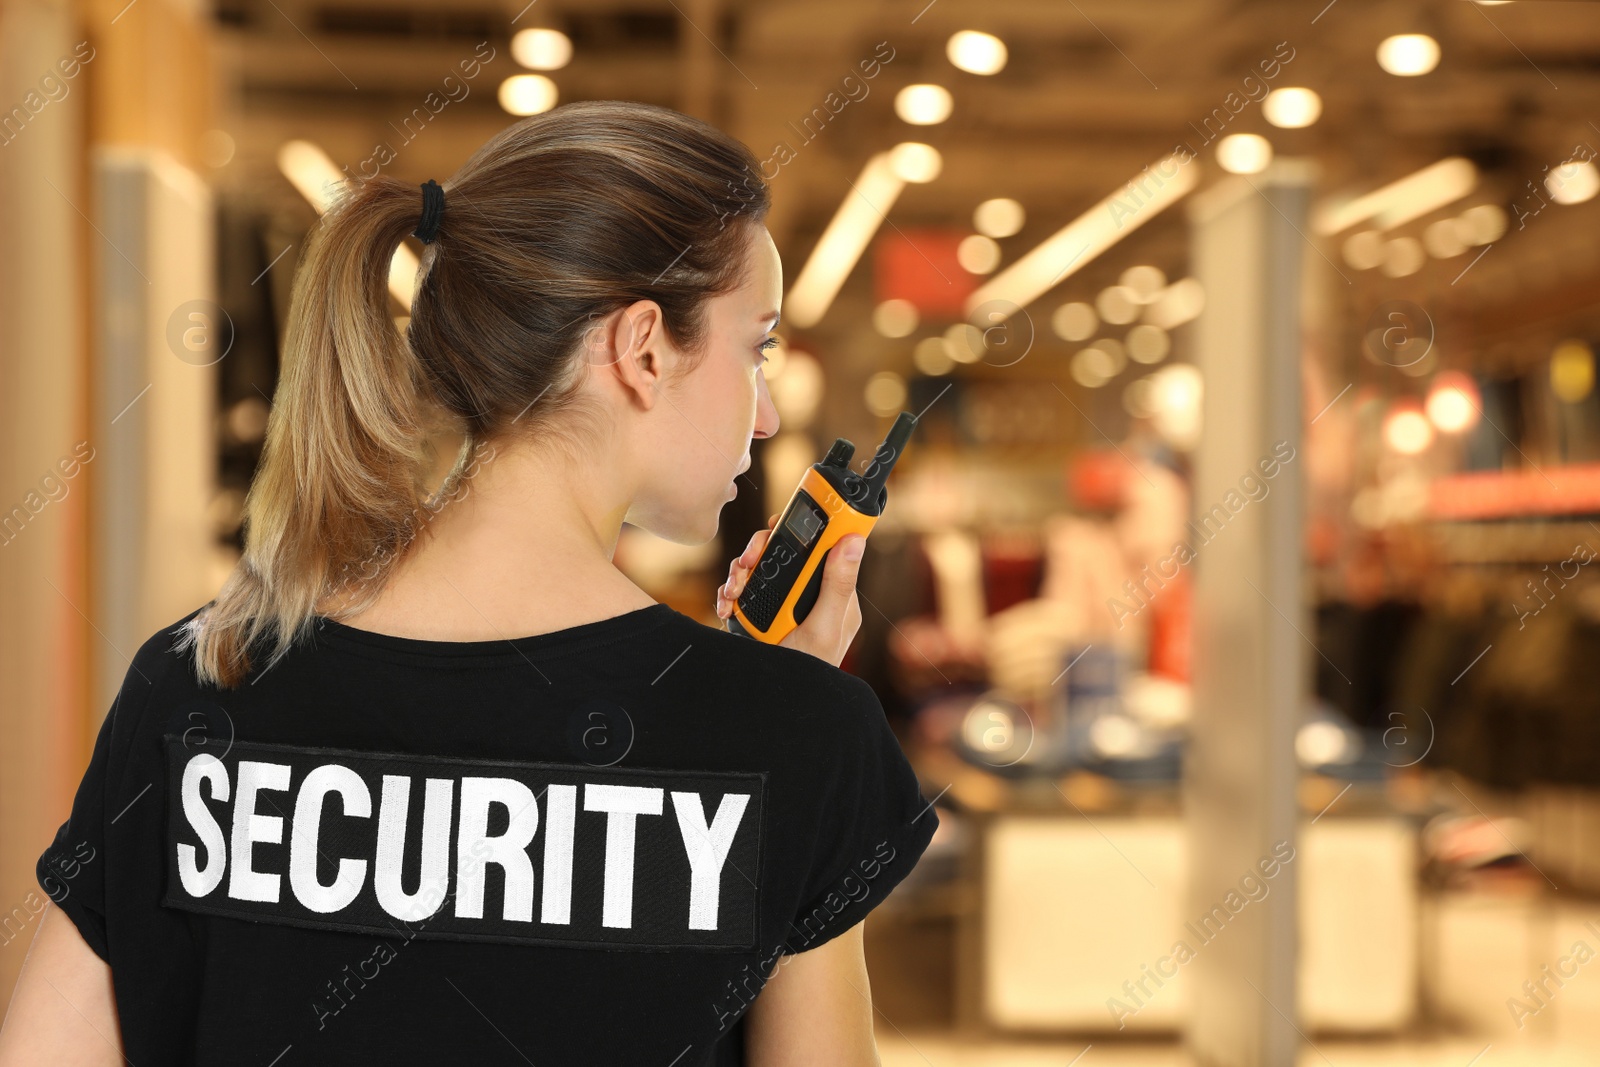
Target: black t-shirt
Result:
[[591, 846]]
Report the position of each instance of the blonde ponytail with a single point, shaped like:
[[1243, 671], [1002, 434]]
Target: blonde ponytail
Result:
[[342, 470], [559, 219]]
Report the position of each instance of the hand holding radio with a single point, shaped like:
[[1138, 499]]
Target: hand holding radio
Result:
[[784, 575], [832, 624]]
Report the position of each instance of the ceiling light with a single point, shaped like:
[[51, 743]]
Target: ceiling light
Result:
[[923, 105], [317, 178], [895, 318], [1145, 281], [963, 342], [527, 94], [931, 358], [1481, 225], [1573, 182], [978, 254], [1074, 322], [1000, 217], [1078, 243], [1406, 429], [1292, 108], [1400, 201], [1452, 403], [1117, 305], [1092, 367], [885, 393], [913, 161], [541, 49], [312, 172], [1363, 250], [841, 244], [1408, 54], [1403, 256], [976, 53], [1244, 153], [1443, 239], [1148, 344]]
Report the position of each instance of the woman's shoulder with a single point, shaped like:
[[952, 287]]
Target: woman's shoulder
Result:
[[778, 676], [162, 658]]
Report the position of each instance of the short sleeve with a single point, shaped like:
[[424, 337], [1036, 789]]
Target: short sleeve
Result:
[[876, 824], [71, 871]]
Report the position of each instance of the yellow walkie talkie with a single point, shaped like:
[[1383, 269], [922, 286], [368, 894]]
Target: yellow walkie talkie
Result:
[[830, 502]]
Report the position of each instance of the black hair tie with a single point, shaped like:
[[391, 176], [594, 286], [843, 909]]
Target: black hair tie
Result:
[[432, 212]]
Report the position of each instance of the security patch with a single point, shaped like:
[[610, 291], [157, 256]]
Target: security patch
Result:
[[470, 850]]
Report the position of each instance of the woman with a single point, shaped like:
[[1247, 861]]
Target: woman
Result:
[[431, 780]]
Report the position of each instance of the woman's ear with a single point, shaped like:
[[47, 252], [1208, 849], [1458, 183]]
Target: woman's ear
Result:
[[638, 350]]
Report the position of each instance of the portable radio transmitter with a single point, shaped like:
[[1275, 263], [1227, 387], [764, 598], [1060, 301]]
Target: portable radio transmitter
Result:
[[830, 502]]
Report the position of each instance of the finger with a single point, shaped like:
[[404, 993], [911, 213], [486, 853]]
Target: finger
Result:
[[739, 572], [826, 623], [752, 551]]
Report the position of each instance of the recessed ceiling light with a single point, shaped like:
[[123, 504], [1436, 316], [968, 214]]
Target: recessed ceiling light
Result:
[[1292, 108], [1403, 256], [1443, 239], [1573, 182], [912, 161], [1148, 344], [895, 318], [1093, 367], [1145, 281], [1000, 217], [1363, 249], [527, 94], [541, 49], [976, 52], [923, 105], [931, 358], [1408, 54], [1481, 225], [1244, 153], [1117, 305], [1075, 321], [978, 254]]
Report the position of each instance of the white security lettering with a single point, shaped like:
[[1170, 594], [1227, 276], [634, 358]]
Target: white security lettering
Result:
[[199, 881], [560, 818], [402, 844], [303, 847], [434, 881], [622, 803], [707, 850], [475, 849], [249, 828]]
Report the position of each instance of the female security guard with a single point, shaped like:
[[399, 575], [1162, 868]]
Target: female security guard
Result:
[[430, 780]]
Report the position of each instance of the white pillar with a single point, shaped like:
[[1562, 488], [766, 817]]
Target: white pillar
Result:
[[1250, 656]]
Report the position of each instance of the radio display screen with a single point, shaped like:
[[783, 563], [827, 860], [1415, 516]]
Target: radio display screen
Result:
[[805, 521]]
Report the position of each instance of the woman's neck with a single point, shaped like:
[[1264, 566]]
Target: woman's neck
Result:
[[523, 547]]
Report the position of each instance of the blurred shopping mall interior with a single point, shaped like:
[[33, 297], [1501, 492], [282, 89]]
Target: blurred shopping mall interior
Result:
[[1232, 599]]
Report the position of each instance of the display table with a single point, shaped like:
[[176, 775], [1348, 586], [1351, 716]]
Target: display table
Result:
[[1074, 914]]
